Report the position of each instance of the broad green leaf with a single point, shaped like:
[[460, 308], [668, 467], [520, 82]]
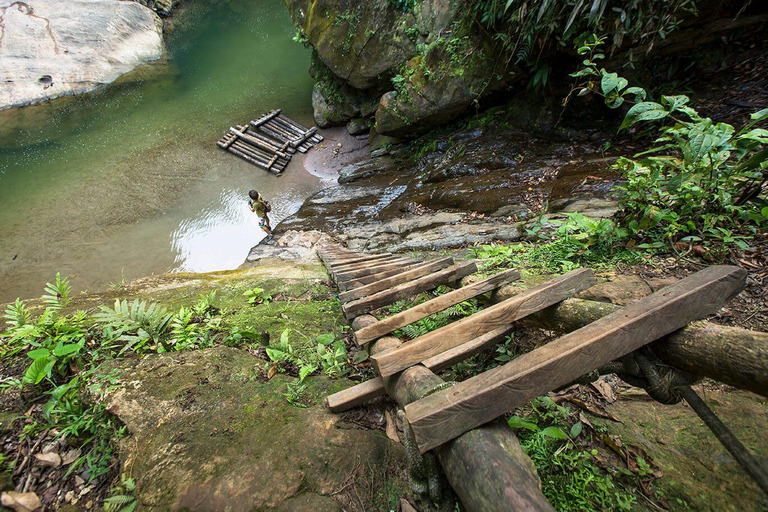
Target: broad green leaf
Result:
[[554, 432], [644, 111], [760, 115], [758, 135], [676, 102], [325, 339], [39, 353], [284, 336], [66, 349], [576, 429], [360, 357], [700, 145], [639, 93], [611, 81], [764, 212], [36, 371], [518, 422]]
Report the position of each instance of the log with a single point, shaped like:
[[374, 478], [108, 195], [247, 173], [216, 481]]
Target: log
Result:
[[504, 313], [446, 414], [398, 278], [257, 142], [263, 119], [485, 467], [303, 138], [370, 389], [431, 307], [247, 158], [405, 290], [737, 357]]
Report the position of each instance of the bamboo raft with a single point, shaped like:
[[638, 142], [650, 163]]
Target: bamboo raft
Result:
[[273, 148]]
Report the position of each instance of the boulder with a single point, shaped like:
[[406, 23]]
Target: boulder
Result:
[[48, 51], [332, 109]]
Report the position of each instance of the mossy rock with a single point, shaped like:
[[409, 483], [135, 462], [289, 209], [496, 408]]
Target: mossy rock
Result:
[[208, 433]]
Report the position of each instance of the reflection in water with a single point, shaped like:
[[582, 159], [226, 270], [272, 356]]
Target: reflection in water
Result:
[[127, 181]]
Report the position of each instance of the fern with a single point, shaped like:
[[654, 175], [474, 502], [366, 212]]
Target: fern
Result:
[[57, 294], [17, 315], [137, 322]]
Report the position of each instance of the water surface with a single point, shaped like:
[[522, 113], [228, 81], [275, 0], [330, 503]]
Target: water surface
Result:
[[127, 181]]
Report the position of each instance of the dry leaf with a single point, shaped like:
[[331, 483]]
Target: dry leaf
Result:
[[70, 457], [604, 389], [272, 371], [583, 418], [405, 506], [49, 459], [21, 501], [591, 408], [391, 429]]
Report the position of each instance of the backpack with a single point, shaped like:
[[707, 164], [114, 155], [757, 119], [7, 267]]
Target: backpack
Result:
[[267, 206]]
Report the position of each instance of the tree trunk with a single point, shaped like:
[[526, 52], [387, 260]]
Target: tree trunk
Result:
[[731, 355]]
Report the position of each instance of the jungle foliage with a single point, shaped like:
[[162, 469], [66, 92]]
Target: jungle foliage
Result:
[[526, 28]]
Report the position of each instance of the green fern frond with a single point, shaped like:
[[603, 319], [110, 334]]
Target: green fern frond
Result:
[[57, 294], [17, 315]]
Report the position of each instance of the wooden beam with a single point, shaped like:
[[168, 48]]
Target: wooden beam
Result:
[[405, 290], [511, 310], [439, 418], [370, 389], [431, 307], [367, 264], [375, 268], [366, 280], [257, 142], [381, 283], [486, 467], [737, 357], [358, 258], [263, 119]]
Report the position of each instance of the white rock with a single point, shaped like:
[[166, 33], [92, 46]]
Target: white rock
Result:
[[51, 48]]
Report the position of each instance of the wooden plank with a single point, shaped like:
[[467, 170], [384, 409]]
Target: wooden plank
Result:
[[397, 277], [449, 413], [366, 280], [372, 265], [370, 389], [374, 268], [289, 126], [431, 307], [405, 290], [491, 318], [358, 258]]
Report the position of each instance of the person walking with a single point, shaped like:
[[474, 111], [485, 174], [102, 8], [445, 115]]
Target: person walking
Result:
[[261, 208]]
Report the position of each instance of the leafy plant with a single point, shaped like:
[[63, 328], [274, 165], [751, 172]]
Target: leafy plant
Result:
[[332, 355], [702, 182], [56, 294], [257, 296], [122, 497], [137, 323]]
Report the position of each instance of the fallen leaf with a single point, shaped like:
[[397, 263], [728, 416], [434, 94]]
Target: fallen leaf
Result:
[[584, 420], [405, 506], [604, 389], [591, 408], [21, 501], [70, 457], [272, 371], [391, 429], [49, 459]]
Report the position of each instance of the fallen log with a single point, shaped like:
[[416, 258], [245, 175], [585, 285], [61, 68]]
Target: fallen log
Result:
[[734, 356], [486, 467]]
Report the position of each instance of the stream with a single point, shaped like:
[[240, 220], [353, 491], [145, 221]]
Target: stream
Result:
[[127, 181]]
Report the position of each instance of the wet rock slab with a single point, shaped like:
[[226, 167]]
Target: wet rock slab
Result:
[[210, 434]]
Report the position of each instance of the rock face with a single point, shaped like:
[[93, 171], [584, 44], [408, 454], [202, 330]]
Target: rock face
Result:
[[47, 50], [210, 434], [412, 63]]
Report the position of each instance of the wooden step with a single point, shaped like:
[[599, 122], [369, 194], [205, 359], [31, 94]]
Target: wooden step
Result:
[[377, 266], [367, 271], [416, 313], [449, 413], [405, 290], [373, 278], [397, 278], [491, 318], [370, 389]]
